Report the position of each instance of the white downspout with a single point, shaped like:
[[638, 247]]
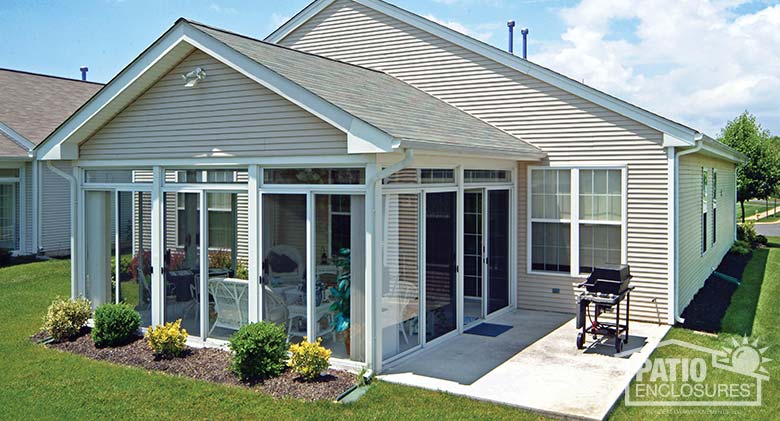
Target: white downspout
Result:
[[73, 194], [698, 146]]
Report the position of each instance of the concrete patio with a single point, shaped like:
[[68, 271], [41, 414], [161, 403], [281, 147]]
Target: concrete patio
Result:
[[535, 365]]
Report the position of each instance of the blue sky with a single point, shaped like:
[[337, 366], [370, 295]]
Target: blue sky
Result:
[[700, 62]]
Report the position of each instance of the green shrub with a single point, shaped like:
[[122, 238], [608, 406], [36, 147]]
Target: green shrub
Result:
[[747, 232], [65, 318], [740, 247], [309, 359], [5, 256], [760, 239], [259, 351], [167, 340], [115, 324]]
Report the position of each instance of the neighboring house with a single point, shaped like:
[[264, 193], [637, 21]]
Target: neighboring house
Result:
[[34, 201], [464, 181]]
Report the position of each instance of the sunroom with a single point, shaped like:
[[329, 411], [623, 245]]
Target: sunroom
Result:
[[337, 201]]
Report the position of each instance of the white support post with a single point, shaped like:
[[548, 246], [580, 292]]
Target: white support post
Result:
[[36, 204], [311, 304], [459, 261], [76, 236], [574, 200], [255, 236], [204, 264], [158, 287], [117, 283], [373, 269], [22, 217]]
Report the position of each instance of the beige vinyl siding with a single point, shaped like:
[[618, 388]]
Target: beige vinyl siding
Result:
[[693, 266], [54, 212], [227, 114], [568, 128]]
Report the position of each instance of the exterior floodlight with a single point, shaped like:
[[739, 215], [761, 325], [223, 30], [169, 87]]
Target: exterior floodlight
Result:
[[194, 77]]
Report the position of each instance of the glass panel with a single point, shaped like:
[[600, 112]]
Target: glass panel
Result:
[[599, 245], [498, 250], [228, 283], [486, 176], [405, 176], [400, 306], [182, 260], [9, 172], [8, 216], [284, 263], [118, 176], [135, 257], [433, 176], [440, 275], [601, 195], [340, 275], [472, 256], [551, 197], [550, 247], [99, 247], [314, 176], [210, 176]]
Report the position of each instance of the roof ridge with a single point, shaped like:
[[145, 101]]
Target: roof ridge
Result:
[[25, 72], [196, 23]]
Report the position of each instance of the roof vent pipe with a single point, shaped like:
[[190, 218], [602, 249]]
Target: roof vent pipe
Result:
[[524, 32], [84, 70], [511, 26]]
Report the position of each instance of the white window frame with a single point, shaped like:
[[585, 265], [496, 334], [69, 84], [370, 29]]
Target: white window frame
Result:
[[703, 222], [19, 207], [574, 220], [714, 205]]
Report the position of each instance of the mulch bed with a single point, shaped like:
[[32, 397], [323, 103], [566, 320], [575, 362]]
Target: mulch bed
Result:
[[709, 305], [208, 364]]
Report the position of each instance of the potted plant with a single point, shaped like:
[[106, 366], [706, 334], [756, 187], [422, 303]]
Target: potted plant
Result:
[[340, 294]]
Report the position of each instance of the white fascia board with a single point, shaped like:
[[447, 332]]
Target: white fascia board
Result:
[[713, 147], [551, 77], [63, 143], [672, 141], [473, 151], [16, 137]]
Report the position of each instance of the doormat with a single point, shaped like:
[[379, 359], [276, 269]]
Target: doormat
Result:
[[488, 329]]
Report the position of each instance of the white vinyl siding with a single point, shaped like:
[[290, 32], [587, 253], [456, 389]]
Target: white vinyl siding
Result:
[[568, 128], [695, 266], [54, 209], [227, 114]]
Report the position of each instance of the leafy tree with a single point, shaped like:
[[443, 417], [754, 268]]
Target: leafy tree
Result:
[[759, 175]]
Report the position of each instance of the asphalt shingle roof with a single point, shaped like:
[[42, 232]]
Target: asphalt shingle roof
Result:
[[400, 110], [34, 105]]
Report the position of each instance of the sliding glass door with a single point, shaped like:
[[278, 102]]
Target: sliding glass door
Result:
[[498, 258], [473, 256], [440, 263]]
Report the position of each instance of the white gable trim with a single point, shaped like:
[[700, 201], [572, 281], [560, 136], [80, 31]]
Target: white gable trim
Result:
[[63, 143], [16, 137], [682, 133]]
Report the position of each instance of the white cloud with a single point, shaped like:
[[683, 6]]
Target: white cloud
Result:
[[482, 31], [222, 9], [697, 61], [277, 20]]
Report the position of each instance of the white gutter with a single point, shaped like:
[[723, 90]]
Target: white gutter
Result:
[[676, 277], [73, 194]]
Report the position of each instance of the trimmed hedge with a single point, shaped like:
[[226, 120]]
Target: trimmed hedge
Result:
[[259, 351], [115, 324]]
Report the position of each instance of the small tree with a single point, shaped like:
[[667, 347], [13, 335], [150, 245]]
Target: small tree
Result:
[[759, 175]]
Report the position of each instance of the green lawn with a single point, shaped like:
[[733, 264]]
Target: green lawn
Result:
[[755, 312], [38, 383], [751, 208]]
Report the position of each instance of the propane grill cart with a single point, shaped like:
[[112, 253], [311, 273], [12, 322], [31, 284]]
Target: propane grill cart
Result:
[[606, 288]]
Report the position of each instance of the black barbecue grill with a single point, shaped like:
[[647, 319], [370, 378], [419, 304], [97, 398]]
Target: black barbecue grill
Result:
[[606, 287]]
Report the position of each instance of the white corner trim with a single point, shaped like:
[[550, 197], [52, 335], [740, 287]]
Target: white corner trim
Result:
[[679, 131]]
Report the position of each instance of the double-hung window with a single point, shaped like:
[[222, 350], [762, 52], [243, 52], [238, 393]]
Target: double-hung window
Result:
[[714, 205], [704, 196], [577, 219], [551, 220]]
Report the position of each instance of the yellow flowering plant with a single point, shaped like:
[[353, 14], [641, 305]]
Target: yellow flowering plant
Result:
[[309, 359], [167, 340]]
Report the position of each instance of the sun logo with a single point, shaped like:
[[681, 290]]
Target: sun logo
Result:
[[745, 358]]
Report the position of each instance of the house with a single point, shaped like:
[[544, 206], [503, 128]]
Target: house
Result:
[[34, 201], [377, 180]]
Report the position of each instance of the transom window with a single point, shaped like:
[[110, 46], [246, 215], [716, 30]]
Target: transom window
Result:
[[574, 239], [314, 176]]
